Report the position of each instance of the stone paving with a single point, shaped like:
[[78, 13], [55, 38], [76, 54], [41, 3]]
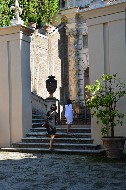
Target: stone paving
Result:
[[24, 171]]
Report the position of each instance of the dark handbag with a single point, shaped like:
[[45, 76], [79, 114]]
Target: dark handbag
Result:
[[49, 129], [46, 124]]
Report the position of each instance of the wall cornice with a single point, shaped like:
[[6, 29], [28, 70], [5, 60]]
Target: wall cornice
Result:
[[70, 15], [16, 29], [103, 11], [69, 12]]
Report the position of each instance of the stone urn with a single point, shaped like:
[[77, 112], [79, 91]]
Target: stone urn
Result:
[[51, 85]]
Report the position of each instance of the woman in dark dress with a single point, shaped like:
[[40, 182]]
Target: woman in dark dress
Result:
[[52, 120]]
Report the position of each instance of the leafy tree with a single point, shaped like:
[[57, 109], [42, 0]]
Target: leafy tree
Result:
[[33, 10], [48, 10], [30, 13], [4, 12], [105, 95]]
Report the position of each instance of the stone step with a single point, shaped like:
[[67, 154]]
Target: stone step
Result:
[[79, 140], [37, 124], [46, 150], [58, 140], [58, 134], [36, 116], [63, 130], [70, 146], [76, 126], [38, 120]]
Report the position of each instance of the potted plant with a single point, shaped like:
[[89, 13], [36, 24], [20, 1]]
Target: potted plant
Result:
[[32, 20], [103, 100]]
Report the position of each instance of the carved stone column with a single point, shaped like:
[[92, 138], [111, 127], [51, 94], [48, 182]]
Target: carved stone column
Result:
[[71, 31], [73, 62], [82, 56]]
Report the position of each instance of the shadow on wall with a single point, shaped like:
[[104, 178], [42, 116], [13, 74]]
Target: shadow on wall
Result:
[[63, 55], [39, 105]]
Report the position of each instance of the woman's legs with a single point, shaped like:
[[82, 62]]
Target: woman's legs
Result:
[[68, 127], [51, 141]]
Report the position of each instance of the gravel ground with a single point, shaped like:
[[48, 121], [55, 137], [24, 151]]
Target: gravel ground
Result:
[[23, 171]]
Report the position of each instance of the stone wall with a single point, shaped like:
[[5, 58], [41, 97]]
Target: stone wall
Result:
[[39, 105], [49, 57], [63, 55], [39, 64], [78, 55]]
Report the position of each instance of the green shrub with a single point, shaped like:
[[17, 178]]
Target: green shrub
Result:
[[104, 96]]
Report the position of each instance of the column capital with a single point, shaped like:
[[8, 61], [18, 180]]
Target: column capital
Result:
[[69, 14], [71, 30]]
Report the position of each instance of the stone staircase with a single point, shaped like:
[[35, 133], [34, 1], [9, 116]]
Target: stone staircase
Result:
[[79, 140]]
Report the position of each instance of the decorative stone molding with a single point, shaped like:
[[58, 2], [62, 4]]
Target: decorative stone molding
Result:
[[45, 61], [82, 54], [78, 58], [71, 30], [83, 64], [84, 61], [16, 20], [84, 29], [70, 15]]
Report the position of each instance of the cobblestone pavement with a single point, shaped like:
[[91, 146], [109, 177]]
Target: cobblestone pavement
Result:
[[22, 171]]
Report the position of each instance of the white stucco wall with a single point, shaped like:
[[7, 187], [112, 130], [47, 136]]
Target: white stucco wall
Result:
[[107, 51], [15, 84]]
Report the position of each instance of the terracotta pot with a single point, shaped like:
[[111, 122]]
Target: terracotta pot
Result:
[[32, 25], [47, 28], [114, 146]]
